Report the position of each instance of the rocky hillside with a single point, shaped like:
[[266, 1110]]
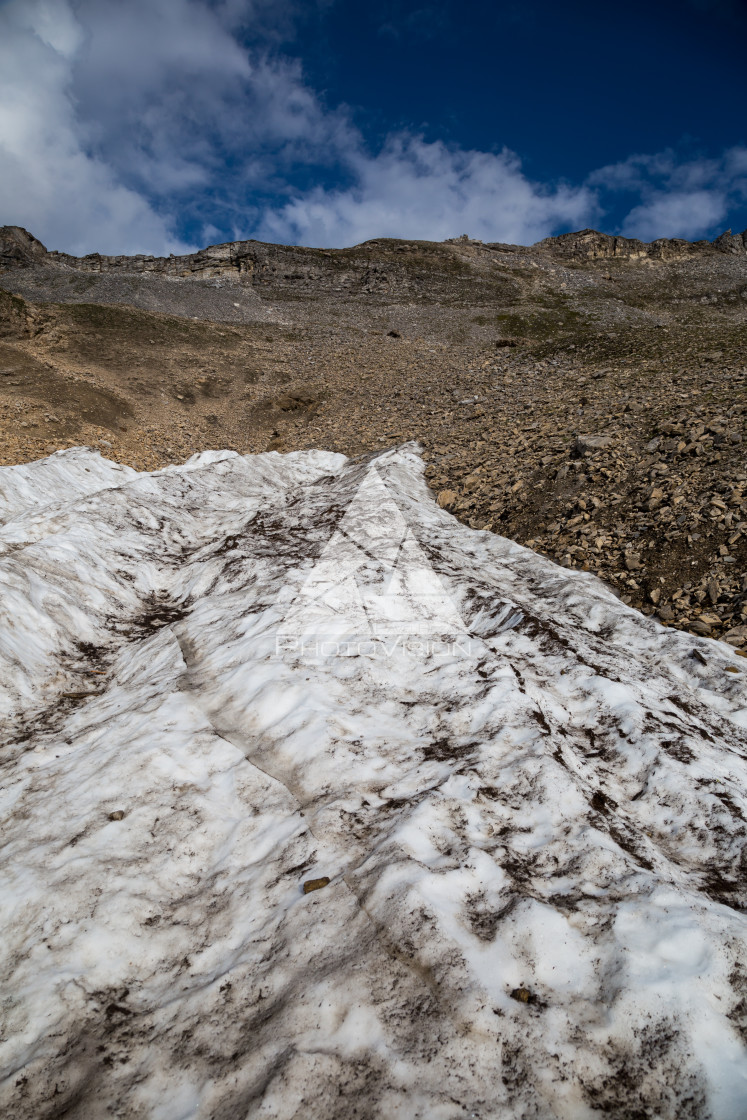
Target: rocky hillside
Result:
[[586, 395]]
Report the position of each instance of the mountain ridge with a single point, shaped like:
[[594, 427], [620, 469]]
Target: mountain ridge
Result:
[[19, 249]]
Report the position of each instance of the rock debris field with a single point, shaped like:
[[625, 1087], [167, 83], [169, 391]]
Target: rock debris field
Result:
[[317, 802]]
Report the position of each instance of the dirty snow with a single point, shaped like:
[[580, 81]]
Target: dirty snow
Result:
[[221, 680]]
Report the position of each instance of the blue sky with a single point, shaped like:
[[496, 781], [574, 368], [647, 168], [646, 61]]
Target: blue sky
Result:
[[162, 125]]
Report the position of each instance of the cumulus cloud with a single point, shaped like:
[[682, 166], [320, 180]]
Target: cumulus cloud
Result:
[[427, 190], [178, 102], [678, 197], [686, 214], [52, 180], [125, 120], [156, 125]]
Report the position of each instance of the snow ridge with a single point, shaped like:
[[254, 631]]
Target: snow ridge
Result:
[[224, 679]]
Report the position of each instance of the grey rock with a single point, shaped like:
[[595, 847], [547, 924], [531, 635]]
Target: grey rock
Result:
[[587, 445]]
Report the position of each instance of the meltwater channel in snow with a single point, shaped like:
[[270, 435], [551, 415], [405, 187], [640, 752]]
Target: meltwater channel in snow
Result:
[[225, 681]]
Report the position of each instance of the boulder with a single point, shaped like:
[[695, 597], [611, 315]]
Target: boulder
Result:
[[587, 445]]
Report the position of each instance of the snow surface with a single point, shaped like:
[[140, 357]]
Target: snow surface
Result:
[[221, 680]]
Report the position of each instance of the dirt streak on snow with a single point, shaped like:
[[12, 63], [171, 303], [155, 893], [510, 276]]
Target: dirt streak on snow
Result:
[[534, 824]]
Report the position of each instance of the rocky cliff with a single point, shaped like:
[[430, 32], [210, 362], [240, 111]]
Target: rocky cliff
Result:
[[588, 244], [258, 262]]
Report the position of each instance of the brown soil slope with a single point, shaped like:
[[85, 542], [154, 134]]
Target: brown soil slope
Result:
[[586, 396]]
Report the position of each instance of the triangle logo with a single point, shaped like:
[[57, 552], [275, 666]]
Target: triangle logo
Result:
[[372, 580]]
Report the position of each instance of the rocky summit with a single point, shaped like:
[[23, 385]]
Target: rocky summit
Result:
[[585, 396]]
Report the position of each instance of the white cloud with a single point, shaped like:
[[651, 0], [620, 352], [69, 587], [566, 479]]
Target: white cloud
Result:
[[121, 118], [429, 191], [678, 198], [687, 214], [51, 182]]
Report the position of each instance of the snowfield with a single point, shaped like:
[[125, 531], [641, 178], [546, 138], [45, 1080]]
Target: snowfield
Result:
[[223, 680]]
